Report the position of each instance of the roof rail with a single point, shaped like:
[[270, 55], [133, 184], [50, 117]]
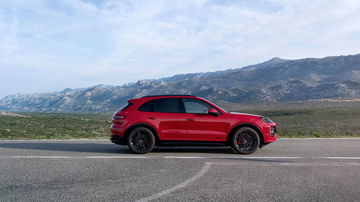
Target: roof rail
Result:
[[167, 95]]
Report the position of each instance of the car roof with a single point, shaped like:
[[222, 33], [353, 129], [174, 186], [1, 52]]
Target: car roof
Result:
[[168, 96], [153, 97]]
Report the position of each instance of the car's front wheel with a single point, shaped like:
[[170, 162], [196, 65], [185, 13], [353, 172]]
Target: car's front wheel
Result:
[[141, 140], [245, 140]]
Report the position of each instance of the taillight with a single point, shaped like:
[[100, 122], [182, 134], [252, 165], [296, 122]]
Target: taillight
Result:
[[118, 117]]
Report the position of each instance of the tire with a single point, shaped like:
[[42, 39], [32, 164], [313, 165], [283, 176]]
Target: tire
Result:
[[245, 140], [141, 140]]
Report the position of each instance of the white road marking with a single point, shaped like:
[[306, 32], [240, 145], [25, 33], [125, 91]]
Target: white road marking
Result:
[[343, 158], [73, 157], [179, 186], [261, 157], [319, 164], [38, 157], [232, 157], [115, 157], [330, 164]]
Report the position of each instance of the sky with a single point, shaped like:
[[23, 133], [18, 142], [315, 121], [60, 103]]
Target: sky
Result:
[[50, 45]]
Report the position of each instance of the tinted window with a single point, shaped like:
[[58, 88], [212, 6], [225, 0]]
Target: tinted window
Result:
[[170, 105], [147, 107], [196, 106], [165, 105]]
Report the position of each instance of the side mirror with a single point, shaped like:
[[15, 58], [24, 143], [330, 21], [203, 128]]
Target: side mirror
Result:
[[213, 112]]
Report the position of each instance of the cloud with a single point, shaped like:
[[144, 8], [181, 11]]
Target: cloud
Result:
[[78, 43]]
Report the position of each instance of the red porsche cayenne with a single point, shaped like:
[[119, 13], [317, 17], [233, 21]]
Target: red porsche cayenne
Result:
[[188, 120]]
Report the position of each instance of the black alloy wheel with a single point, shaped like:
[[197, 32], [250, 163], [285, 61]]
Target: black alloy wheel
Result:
[[141, 140], [245, 140]]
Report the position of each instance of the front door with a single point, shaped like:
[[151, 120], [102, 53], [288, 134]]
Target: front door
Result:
[[201, 126]]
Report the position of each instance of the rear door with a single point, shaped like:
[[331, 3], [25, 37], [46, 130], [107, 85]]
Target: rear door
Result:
[[200, 125], [167, 114]]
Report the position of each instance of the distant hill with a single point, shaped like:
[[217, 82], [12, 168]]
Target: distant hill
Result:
[[276, 80]]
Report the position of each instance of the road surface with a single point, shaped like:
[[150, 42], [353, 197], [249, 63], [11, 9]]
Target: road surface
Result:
[[93, 170]]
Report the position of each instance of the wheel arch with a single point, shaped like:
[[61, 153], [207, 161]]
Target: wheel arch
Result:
[[250, 125], [145, 125]]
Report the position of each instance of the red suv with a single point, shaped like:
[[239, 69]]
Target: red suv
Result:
[[188, 120]]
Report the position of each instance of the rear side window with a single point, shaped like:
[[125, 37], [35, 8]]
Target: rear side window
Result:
[[164, 105], [147, 107]]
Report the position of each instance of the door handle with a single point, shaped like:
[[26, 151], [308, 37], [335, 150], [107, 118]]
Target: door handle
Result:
[[190, 119], [152, 118]]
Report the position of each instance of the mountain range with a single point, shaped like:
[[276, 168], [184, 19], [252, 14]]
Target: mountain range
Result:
[[276, 80]]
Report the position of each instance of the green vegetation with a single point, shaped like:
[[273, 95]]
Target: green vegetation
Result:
[[307, 119], [54, 126]]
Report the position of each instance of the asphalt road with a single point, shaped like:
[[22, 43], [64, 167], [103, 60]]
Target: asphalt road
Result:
[[287, 170]]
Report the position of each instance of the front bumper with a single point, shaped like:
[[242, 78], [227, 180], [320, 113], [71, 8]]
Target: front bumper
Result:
[[270, 139], [270, 133]]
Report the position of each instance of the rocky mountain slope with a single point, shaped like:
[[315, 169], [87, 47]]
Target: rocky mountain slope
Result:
[[276, 80]]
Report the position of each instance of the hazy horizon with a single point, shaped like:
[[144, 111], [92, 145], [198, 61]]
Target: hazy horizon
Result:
[[48, 46]]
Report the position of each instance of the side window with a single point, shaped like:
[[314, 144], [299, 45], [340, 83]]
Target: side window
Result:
[[196, 106], [167, 105], [147, 106], [164, 105]]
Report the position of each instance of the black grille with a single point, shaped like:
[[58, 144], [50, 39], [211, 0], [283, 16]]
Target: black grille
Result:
[[273, 131]]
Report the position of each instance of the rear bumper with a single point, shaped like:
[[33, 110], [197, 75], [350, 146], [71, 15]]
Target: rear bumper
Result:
[[117, 140], [117, 134], [117, 130]]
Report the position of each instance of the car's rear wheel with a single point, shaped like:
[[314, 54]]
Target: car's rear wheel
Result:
[[245, 140], [141, 140]]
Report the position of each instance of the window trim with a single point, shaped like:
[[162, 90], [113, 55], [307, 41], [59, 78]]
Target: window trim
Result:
[[181, 107]]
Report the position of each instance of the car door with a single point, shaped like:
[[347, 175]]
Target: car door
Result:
[[167, 114], [200, 125]]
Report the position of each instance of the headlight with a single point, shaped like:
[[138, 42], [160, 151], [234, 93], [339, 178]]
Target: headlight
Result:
[[267, 120]]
